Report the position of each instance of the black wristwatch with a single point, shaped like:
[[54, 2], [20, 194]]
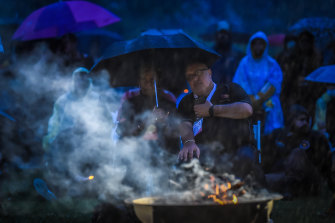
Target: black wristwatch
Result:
[[211, 111]]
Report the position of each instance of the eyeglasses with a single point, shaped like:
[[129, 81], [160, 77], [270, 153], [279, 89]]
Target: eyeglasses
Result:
[[197, 73]]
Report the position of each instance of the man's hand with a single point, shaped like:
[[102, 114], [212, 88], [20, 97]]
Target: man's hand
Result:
[[188, 150], [201, 110], [256, 103]]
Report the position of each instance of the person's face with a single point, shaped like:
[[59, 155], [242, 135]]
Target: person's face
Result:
[[81, 83], [301, 123], [147, 78], [199, 76], [223, 38], [258, 46], [305, 43]]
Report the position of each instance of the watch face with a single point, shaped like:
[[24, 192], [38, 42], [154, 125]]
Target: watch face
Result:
[[304, 144]]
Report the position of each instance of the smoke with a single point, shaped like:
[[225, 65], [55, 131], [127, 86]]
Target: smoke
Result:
[[86, 144]]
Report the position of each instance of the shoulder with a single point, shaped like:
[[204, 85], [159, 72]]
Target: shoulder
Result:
[[185, 100], [318, 135], [168, 95], [233, 87], [63, 99], [130, 94], [232, 92], [94, 95], [277, 134], [244, 61], [273, 62]]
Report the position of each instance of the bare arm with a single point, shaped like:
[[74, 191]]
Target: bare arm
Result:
[[265, 93], [186, 131], [189, 146], [237, 110]]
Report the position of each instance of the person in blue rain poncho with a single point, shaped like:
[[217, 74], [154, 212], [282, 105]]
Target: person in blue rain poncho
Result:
[[78, 129], [261, 77], [79, 110]]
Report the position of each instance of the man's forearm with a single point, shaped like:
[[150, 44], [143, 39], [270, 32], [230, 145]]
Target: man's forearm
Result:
[[186, 131], [266, 92], [237, 110]]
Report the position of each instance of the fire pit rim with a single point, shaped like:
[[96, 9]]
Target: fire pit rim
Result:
[[150, 201]]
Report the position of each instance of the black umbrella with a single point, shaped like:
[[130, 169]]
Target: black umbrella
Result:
[[166, 49], [322, 28], [324, 74]]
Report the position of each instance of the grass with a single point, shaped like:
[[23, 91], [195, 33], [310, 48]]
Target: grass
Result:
[[303, 209]]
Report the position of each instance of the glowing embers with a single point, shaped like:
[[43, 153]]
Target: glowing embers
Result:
[[81, 178], [222, 192]]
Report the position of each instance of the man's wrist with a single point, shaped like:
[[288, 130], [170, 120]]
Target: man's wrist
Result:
[[188, 141]]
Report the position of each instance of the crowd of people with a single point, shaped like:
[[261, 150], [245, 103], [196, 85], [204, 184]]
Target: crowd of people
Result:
[[212, 122]]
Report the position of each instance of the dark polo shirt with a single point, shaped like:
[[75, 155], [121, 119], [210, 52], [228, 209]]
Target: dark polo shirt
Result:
[[231, 133]]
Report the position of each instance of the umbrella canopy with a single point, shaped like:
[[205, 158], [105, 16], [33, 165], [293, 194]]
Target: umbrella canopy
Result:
[[325, 74], [61, 18], [99, 37], [322, 28], [276, 39], [166, 49]]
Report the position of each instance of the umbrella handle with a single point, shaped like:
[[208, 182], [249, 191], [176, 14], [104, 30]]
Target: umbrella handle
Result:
[[156, 93]]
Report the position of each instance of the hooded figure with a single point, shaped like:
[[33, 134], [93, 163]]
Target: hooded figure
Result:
[[80, 110], [260, 76]]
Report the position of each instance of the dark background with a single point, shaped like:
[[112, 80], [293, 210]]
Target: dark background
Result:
[[194, 16]]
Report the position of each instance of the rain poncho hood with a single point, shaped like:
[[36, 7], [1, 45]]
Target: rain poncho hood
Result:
[[75, 73], [258, 35], [253, 74]]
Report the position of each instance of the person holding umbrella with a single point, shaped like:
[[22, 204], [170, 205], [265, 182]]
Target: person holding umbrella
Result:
[[324, 118], [146, 114]]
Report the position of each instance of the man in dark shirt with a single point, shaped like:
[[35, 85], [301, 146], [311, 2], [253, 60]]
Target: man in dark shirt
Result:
[[213, 115], [295, 157]]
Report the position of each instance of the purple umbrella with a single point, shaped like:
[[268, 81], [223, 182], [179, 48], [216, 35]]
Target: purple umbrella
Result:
[[61, 18]]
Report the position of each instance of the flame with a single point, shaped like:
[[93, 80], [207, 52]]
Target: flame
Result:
[[206, 186], [91, 177], [219, 192], [235, 201], [185, 91]]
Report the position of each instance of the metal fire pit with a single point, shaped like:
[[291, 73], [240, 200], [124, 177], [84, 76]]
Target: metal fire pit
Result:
[[160, 210]]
